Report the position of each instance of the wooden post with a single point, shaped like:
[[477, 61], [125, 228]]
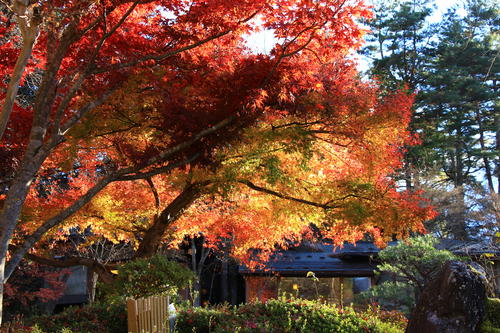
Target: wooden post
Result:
[[132, 316]]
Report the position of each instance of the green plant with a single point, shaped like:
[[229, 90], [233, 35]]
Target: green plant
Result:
[[414, 260], [411, 263], [287, 315], [391, 295], [491, 323], [152, 276], [98, 317]]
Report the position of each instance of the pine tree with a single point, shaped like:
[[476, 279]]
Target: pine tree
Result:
[[453, 68]]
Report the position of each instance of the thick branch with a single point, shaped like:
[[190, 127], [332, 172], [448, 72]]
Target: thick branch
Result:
[[101, 269], [157, 171], [169, 152], [30, 34], [153, 236], [285, 196], [155, 193]]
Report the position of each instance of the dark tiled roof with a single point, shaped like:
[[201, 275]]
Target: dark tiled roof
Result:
[[349, 260], [469, 248], [322, 260]]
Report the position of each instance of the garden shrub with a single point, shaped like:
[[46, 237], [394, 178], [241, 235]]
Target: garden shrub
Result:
[[277, 316], [391, 295], [151, 276], [98, 317], [17, 325], [411, 263], [491, 323]]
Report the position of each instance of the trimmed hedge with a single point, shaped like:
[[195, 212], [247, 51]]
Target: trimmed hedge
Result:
[[279, 316]]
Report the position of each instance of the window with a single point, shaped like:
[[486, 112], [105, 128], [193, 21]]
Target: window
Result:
[[333, 290]]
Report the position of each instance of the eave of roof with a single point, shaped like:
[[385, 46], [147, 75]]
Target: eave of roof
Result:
[[349, 260]]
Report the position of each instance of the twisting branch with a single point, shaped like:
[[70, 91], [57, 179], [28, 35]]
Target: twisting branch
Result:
[[327, 205], [157, 171], [103, 270], [285, 196], [155, 194]]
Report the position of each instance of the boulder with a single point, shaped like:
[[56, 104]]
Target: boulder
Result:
[[452, 302]]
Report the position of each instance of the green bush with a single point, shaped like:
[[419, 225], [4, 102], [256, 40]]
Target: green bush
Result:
[[152, 276], [391, 295], [277, 316], [99, 317], [491, 323], [414, 260], [412, 263]]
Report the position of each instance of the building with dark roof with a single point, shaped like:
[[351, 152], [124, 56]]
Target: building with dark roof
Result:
[[336, 274]]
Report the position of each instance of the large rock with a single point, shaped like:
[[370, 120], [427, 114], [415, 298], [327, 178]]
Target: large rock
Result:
[[452, 302]]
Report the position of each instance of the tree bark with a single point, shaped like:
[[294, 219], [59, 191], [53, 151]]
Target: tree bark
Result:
[[29, 31], [487, 167], [153, 236], [460, 227], [224, 286], [102, 270]]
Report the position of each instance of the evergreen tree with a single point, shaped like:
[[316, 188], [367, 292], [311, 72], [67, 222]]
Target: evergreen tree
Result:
[[453, 67]]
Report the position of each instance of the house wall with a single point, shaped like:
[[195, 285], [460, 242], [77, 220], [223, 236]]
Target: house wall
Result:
[[260, 288], [338, 290]]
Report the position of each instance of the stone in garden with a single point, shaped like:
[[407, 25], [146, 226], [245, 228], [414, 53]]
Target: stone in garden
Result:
[[452, 302]]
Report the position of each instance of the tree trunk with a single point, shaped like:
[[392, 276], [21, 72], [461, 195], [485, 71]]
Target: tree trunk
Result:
[[460, 227], [196, 269], [482, 142], [197, 292], [153, 236], [11, 211], [233, 285], [92, 284], [224, 286], [497, 160]]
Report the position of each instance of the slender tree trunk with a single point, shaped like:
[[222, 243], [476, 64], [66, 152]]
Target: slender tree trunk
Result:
[[487, 167], [196, 269], [460, 228], [233, 285], [408, 178], [92, 284], [224, 279], [497, 160]]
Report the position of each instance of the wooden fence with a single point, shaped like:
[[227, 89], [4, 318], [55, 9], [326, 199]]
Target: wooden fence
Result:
[[148, 315]]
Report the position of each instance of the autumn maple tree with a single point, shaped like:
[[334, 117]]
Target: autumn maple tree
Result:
[[323, 160], [164, 123]]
